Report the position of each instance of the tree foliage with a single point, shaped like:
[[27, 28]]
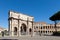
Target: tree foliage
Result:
[[55, 17]]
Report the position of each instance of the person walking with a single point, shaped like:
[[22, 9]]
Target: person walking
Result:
[[2, 33]]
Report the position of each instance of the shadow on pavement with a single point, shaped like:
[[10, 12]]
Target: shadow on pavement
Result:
[[8, 39]]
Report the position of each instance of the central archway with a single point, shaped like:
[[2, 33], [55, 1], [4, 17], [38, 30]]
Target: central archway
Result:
[[23, 29]]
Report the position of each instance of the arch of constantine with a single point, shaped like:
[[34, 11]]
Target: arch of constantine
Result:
[[20, 24]]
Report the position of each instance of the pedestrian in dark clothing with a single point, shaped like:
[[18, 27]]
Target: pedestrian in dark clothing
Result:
[[2, 34]]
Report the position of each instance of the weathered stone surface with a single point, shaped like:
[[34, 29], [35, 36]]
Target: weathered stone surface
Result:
[[17, 19]]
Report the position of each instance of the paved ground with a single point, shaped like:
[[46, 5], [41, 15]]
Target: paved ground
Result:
[[32, 38]]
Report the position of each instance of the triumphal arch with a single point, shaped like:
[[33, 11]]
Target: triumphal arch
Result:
[[20, 24]]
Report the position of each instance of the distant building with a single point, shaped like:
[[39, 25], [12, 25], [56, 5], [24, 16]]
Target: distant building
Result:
[[2, 29], [44, 28]]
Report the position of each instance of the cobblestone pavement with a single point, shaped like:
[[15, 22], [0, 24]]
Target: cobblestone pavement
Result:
[[32, 38]]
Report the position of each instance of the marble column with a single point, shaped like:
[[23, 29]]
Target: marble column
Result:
[[18, 28], [32, 29], [19, 33], [11, 30], [27, 26]]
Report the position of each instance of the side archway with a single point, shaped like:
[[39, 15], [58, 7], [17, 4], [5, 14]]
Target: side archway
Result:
[[15, 30], [30, 30]]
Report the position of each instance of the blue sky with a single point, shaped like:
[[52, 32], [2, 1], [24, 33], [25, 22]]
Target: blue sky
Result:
[[40, 9]]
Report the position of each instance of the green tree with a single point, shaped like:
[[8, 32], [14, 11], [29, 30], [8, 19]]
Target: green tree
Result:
[[55, 18]]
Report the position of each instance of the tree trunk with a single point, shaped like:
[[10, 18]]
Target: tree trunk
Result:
[[55, 26]]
